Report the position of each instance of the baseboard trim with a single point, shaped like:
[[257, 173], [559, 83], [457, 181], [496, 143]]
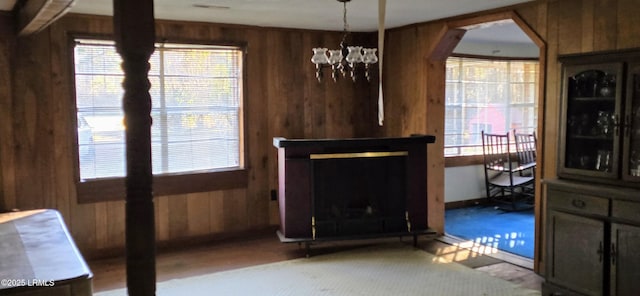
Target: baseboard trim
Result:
[[465, 203], [179, 243]]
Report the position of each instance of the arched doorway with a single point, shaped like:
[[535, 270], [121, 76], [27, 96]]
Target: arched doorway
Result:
[[449, 38]]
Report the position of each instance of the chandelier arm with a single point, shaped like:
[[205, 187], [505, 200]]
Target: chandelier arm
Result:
[[346, 59]]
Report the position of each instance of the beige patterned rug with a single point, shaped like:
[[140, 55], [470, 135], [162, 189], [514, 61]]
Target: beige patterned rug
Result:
[[388, 269]]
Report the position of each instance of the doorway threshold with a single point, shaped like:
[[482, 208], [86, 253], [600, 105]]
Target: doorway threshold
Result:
[[487, 250]]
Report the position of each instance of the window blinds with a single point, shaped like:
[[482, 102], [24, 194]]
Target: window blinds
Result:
[[496, 96], [196, 108]]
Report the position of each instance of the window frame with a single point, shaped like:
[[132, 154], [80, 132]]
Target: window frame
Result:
[[478, 159], [114, 189]]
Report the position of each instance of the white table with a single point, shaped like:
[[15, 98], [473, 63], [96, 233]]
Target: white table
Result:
[[39, 257]]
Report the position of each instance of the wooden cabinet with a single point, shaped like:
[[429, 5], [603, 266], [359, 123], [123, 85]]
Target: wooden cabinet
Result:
[[631, 124], [593, 211], [592, 239], [625, 274], [576, 241], [577, 252], [600, 123], [625, 244], [591, 131]]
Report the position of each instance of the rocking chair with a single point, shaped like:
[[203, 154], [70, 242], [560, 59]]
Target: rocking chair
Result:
[[505, 181]]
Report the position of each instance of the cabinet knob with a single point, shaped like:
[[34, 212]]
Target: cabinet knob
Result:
[[578, 203]]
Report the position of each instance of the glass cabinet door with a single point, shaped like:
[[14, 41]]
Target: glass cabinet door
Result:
[[631, 151], [591, 102]]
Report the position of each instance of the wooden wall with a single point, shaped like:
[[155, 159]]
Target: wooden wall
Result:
[[6, 55], [37, 127], [407, 96], [36, 118], [413, 101]]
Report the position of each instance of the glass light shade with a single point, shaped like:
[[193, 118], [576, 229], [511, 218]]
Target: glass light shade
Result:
[[369, 56], [354, 55], [335, 56], [319, 56]]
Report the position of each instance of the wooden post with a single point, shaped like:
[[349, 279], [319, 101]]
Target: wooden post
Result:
[[133, 23]]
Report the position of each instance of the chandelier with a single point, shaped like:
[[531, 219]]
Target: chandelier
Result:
[[346, 59]]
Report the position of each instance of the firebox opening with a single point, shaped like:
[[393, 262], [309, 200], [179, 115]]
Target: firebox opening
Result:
[[360, 195]]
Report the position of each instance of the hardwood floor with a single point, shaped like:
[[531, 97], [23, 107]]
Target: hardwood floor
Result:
[[264, 247]]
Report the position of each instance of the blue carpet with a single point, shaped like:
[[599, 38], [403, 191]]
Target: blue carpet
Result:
[[511, 232]]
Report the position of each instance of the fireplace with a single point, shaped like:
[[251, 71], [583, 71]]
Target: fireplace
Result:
[[352, 188], [358, 193]]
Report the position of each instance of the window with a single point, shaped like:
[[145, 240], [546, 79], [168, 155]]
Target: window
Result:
[[197, 95], [496, 96]]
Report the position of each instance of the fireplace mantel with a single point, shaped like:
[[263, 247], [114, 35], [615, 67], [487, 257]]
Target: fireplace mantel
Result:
[[279, 142], [352, 188]]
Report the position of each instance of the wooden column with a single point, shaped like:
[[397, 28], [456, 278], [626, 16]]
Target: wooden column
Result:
[[434, 73], [135, 35]]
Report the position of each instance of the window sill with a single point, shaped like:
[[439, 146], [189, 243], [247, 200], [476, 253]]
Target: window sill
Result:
[[468, 160], [114, 189]]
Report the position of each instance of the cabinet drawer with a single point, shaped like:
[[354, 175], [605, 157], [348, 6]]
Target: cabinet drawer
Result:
[[579, 203], [627, 210]]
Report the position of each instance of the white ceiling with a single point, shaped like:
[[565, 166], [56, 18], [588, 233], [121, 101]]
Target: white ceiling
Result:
[[362, 15], [497, 32], [303, 14], [498, 39]]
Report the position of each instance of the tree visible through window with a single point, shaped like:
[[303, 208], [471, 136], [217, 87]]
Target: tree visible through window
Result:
[[196, 95], [496, 96]]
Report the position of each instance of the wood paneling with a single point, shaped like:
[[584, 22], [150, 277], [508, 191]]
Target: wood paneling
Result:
[[256, 138], [552, 103], [115, 228], [216, 211], [64, 134], [7, 179], [435, 156], [198, 206], [161, 204], [629, 24], [605, 33], [528, 20], [32, 128], [587, 24], [282, 98], [567, 26], [178, 217]]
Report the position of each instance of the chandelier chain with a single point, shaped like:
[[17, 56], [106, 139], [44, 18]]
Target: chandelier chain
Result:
[[344, 17], [345, 24]]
